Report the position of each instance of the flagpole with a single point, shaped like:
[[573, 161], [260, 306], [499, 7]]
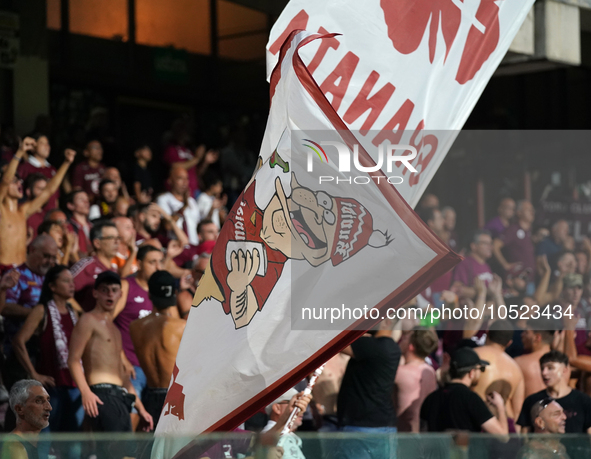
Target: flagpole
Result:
[[307, 391]]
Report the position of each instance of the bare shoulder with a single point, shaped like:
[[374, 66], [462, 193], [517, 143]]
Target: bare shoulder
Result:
[[138, 324], [175, 325], [87, 320]]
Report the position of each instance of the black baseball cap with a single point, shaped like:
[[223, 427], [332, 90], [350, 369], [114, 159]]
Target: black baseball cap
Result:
[[162, 287], [466, 358], [108, 278]]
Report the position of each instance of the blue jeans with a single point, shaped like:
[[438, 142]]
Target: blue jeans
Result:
[[67, 411], [379, 443], [139, 383]]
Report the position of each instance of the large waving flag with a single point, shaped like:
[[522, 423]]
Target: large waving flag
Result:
[[403, 71], [305, 234]]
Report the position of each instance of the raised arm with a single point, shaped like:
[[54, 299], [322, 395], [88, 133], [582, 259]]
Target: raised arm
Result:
[[8, 175], [80, 336], [497, 425], [123, 300], [171, 224], [52, 186]]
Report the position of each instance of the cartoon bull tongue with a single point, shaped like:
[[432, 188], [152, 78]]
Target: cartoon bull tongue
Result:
[[299, 224]]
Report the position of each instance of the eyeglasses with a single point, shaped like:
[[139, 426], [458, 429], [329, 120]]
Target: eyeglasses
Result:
[[110, 238]]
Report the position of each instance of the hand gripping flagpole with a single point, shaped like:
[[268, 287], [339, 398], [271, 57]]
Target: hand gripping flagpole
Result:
[[307, 391]]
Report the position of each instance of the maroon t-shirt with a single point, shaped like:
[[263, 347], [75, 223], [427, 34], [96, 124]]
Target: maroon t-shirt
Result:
[[26, 168], [138, 305], [469, 269], [88, 178], [518, 247], [48, 363], [85, 273]]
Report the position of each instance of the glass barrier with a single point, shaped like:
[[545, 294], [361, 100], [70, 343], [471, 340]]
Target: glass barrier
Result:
[[303, 445]]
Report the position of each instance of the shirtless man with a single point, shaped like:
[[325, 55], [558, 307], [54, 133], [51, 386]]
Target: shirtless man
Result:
[[30, 403], [13, 221], [537, 339], [503, 375], [156, 339], [105, 388]]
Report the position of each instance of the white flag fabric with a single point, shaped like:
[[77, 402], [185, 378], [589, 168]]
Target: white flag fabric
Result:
[[290, 240], [403, 71]]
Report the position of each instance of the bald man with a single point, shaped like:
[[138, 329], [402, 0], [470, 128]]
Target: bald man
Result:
[[548, 418], [503, 375], [180, 205]]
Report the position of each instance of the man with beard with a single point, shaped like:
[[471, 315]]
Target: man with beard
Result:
[[30, 403], [146, 220], [456, 407]]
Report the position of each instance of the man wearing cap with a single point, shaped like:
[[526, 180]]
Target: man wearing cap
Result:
[[95, 362], [456, 407], [156, 339], [291, 443]]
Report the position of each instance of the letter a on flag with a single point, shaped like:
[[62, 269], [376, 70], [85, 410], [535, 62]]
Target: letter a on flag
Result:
[[403, 71], [304, 249]]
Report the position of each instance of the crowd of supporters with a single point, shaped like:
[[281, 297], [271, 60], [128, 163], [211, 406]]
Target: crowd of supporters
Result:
[[96, 266]]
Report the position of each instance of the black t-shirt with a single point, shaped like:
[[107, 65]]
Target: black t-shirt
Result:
[[454, 407], [365, 398], [143, 176], [576, 406]]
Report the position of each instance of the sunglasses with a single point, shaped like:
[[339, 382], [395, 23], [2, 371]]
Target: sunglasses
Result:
[[545, 402]]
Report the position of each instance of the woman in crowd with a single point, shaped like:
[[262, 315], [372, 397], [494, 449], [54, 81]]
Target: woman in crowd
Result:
[[51, 323]]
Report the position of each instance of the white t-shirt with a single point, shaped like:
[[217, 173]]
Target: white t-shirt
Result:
[[205, 203], [191, 216]]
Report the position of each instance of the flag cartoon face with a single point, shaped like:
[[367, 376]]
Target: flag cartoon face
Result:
[[290, 241], [302, 224]]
